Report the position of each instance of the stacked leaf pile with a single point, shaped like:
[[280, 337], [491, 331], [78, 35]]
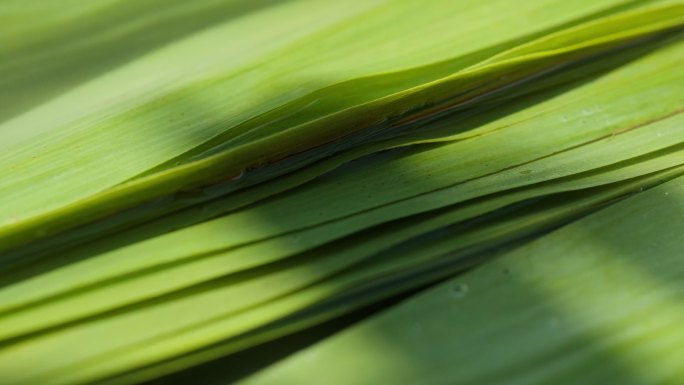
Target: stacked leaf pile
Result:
[[183, 182]]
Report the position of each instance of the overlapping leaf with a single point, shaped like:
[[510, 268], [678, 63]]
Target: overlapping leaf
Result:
[[166, 215]]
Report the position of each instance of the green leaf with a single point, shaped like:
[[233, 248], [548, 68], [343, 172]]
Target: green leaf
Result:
[[595, 301], [184, 181]]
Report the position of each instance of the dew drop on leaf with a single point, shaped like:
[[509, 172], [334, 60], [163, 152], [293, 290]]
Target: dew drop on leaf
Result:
[[459, 290]]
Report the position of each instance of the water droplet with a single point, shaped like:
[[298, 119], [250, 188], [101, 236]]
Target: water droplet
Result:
[[553, 322], [416, 328], [239, 175], [295, 239], [459, 290]]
